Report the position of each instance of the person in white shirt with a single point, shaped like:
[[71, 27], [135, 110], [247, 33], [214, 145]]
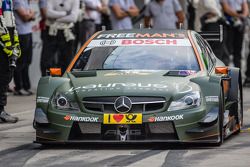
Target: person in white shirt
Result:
[[208, 18], [92, 18], [208, 10], [61, 16]]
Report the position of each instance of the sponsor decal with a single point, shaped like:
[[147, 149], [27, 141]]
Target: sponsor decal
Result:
[[118, 86], [122, 119], [149, 42], [42, 99], [81, 119], [107, 42], [141, 35], [166, 118], [212, 99], [140, 42]]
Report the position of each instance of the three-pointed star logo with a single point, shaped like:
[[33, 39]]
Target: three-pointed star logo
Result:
[[123, 104]]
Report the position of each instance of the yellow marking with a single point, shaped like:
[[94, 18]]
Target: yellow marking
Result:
[[247, 130]]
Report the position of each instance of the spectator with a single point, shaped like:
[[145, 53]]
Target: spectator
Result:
[[79, 27], [94, 10], [43, 12], [9, 51], [235, 12], [191, 12], [163, 14], [121, 13], [59, 35], [106, 15], [247, 79], [208, 18], [23, 15], [93, 18]]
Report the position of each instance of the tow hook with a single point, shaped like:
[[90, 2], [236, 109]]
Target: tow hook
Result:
[[123, 132]]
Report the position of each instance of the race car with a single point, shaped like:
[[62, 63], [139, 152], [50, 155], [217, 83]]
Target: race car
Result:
[[143, 85]]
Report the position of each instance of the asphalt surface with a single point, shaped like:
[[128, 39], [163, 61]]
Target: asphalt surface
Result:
[[18, 150]]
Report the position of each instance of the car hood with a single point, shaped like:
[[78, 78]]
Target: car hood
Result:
[[129, 83]]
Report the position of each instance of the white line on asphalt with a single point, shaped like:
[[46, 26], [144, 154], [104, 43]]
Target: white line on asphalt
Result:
[[21, 113]]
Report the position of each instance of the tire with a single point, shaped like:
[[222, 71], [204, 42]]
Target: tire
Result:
[[239, 109], [241, 101], [221, 118], [236, 95]]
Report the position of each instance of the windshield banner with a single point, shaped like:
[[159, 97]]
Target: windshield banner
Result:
[[139, 42]]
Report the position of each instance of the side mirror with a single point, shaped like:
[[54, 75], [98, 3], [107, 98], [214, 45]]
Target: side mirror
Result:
[[221, 70], [55, 71], [226, 79]]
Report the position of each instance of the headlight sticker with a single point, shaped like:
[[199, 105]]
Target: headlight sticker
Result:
[[212, 99], [42, 99]]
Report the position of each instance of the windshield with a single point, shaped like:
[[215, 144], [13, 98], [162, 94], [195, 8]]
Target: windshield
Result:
[[138, 58]]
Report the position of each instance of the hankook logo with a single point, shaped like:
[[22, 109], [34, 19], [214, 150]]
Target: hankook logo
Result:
[[123, 104]]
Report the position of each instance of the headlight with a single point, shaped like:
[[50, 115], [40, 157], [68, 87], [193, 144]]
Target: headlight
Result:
[[61, 102], [190, 100]]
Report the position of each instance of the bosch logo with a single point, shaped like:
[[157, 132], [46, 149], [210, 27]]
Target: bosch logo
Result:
[[107, 42], [123, 104]]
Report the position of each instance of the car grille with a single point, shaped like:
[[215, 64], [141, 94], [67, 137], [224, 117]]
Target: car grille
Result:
[[139, 104], [90, 128], [146, 131]]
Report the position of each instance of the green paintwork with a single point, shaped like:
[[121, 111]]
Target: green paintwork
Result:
[[130, 83]]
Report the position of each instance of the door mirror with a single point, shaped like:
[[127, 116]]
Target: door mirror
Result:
[[55, 71], [221, 70]]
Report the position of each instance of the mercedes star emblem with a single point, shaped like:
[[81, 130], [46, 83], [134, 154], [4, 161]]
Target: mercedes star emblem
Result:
[[123, 104]]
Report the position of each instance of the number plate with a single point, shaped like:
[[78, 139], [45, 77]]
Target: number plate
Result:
[[122, 119]]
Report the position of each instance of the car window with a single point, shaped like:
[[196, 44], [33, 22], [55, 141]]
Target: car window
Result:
[[138, 57], [205, 51]]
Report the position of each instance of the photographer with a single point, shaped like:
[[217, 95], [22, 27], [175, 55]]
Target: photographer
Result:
[[9, 52]]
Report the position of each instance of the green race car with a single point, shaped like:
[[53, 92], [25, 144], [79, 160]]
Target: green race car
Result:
[[141, 85]]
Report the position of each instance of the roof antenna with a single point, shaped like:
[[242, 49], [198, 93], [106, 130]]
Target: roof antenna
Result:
[[103, 28], [221, 33], [141, 26], [181, 26]]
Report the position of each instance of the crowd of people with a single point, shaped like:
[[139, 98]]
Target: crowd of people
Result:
[[65, 25]]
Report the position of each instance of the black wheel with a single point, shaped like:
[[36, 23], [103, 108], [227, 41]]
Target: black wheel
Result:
[[235, 95], [236, 109], [239, 109], [221, 118]]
